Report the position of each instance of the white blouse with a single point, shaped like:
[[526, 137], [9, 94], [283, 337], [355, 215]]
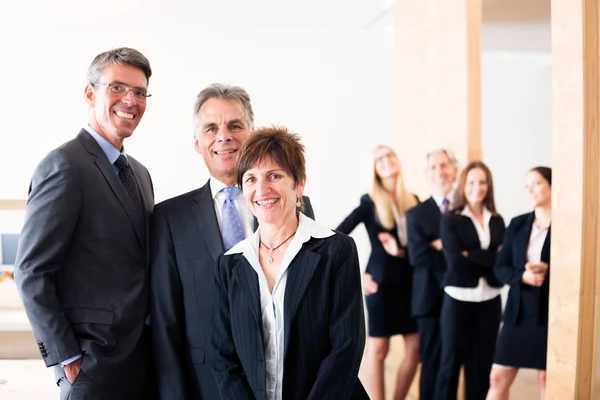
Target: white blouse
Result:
[[483, 291], [272, 304], [536, 242]]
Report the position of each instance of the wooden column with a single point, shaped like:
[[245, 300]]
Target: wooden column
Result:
[[437, 93], [572, 346], [437, 79]]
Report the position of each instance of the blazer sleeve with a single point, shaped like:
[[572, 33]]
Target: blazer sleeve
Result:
[[487, 258], [226, 365], [168, 316], [308, 209], [51, 217], [420, 252], [504, 269], [452, 249], [338, 372], [357, 216]]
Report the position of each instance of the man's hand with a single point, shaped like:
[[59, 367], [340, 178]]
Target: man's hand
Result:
[[72, 370], [436, 244], [391, 245], [369, 285]]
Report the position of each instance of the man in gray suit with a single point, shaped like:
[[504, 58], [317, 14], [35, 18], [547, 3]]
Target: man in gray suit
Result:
[[186, 241], [82, 257]]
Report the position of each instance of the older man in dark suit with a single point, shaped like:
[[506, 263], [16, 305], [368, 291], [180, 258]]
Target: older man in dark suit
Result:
[[189, 232], [82, 258], [425, 252]]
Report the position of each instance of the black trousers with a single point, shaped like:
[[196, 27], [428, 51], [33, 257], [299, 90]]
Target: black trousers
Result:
[[429, 351], [468, 332]]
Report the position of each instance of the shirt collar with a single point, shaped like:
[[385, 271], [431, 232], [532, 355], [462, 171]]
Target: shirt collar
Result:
[[307, 228], [111, 152], [439, 199], [487, 214], [216, 186]]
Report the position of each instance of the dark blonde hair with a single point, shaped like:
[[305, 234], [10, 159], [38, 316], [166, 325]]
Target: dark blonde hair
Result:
[[460, 200], [274, 143]]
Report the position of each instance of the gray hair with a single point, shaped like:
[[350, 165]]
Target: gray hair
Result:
[[448, 154], [121, 55], [224, 92]]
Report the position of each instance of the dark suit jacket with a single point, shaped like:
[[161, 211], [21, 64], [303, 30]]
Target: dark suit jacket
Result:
[[458, 233], [423, 227], [81, 266], [324, 325], [186, 242], [383, 267], [510, 266]]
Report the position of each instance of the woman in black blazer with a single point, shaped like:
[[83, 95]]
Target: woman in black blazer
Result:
[[471, 236], [524, 264], [387, 282], [288, 318]]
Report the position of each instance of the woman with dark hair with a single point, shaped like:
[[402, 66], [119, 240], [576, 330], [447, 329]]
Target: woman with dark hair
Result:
[[471, 234], [524, 264], [288, 318], [387, 282]]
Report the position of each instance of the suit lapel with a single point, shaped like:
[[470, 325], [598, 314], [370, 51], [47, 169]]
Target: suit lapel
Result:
[[146, 192], [111, 177], [247, 280], [204, 212], [300, 273], [521, 240], [434, 215]]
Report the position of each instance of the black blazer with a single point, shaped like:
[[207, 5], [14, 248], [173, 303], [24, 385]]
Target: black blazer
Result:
[[82, 262], [510, 266], [324, 325], [383, 267], [423, 227], [459, 233], [186, 243]]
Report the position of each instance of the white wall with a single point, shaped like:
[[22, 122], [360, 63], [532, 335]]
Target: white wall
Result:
[[516, 122], [324, 69]]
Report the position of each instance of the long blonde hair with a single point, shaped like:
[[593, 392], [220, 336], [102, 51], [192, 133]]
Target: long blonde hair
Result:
[[384, 203]]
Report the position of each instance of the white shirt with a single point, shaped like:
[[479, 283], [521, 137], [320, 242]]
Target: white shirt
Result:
[[483, 291], [240, 203], [272, 304], [536, 242]]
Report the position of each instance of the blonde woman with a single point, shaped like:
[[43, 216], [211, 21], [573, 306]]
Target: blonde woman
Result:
[[388, 279]]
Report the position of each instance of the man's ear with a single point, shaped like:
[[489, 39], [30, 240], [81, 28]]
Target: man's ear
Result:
[[197, 144], [90, 96]]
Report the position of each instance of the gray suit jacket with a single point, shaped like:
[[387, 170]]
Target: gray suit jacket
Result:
[[185, 244], [81, 265]]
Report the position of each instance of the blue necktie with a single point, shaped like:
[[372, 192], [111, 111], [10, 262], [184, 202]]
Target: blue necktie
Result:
[[232, 229]]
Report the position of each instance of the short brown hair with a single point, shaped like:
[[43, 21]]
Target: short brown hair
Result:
[[273, 143], [460, 200], [121, 55]]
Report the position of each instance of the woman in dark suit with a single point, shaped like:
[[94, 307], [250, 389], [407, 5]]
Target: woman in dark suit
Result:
[[287, 314], [471, 236], [523, 264], [387, 282]]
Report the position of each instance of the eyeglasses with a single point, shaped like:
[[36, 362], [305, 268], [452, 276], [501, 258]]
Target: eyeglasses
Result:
[[122, 90]]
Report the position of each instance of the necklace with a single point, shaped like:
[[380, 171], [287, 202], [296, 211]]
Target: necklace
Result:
[[272, 249]]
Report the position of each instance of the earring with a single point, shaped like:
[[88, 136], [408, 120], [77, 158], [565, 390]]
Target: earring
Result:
[[298, 204]]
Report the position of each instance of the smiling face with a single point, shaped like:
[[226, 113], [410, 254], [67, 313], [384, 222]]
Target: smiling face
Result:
[[386, 163], [539, 191], [222, 128], [270, 193], [441, 171], [476, 187], [115, 116]]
